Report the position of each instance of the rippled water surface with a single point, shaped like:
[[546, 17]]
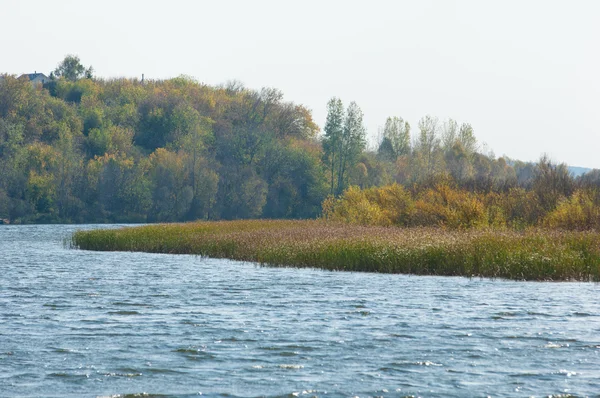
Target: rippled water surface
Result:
[[85, 324]]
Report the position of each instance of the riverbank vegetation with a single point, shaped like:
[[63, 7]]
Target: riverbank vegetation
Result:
[[532, 255], [81, 149], [447, 206]]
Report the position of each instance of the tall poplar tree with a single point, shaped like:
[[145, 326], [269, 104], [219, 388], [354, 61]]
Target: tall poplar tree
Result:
[[352, 144], [332, 142]]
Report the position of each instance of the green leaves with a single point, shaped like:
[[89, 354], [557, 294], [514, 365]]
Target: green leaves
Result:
[[344, 141], [70, 68]]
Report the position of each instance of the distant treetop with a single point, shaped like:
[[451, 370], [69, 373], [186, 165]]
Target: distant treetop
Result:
[[72, 69]]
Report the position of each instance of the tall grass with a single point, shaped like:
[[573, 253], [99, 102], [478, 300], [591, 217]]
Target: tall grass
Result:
[[532, 255]]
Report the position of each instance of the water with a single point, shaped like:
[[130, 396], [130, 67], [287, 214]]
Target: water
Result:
[[86, 324]]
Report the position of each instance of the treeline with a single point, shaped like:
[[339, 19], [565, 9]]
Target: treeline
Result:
[[83, 149], [555, 200], [440, 177], [79, 149]]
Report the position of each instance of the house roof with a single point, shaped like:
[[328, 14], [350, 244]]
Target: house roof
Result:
[[33, 76]]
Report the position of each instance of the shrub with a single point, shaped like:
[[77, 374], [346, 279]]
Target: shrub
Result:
[[395, 203], [578, 212], [353, 207], [521, 208], [447, 207], [389, 205]]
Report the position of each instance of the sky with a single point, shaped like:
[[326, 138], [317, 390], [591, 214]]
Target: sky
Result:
[[525, 74]]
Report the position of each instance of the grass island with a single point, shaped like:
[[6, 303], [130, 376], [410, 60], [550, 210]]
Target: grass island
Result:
[[536, 254]]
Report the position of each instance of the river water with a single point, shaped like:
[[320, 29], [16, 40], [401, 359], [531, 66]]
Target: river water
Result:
[[91, 324]]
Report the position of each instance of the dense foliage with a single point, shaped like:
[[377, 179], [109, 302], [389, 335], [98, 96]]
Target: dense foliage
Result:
[[83, 149], [553, 201], [80, 149], [442, 180]]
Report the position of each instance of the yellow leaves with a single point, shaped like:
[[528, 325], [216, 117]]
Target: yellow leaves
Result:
[[312, 147], [359, 210], [375, 206], [328, 208], [393, 205], [165, 157], [41, 156], [311, 129], [448, 207], [171, 163], [575, 213], [41, 190], [38, 180]]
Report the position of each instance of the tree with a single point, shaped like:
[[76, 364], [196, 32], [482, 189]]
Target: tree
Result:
[[427, 145], [172, 194], [386, 150], [449, 134], [458, 163], [13, 176], [352, 144], [71, 69], [69, 166], [463, 135], [11, 152], [396, 135], [296, 179], [202, 179], [467, 139], [551, 182], [334, 130], [459, 146]]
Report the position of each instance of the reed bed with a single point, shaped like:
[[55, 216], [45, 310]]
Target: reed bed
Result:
[[549, 255]]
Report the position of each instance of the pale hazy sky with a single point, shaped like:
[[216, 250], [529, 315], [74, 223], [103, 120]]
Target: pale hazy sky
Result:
[[525, 74]]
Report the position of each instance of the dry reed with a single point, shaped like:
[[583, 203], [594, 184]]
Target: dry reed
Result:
[[531, 255]]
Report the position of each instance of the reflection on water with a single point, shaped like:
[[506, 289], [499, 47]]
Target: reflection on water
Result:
[[75, 323]]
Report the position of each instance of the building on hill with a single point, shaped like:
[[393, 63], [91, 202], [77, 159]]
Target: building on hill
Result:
[[35, 78]]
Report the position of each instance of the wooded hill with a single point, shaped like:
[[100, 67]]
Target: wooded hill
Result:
[[83, 149]]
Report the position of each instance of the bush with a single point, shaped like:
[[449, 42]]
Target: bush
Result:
[[389, 205], [447, 207], [521, 208], [395, 203], [578, 212], [353, 207]]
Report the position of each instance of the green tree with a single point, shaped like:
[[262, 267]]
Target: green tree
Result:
[[68, 174], [13, 175], [386, 150], [397, 134], [459, 146], [71, 69], [202, 178], [172, 194], [332, 140], [352, 144], [427, 155], [297, 183]]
